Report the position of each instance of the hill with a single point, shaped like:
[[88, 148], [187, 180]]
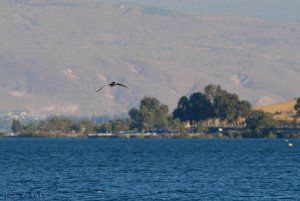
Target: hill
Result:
[[54, 56], [282, 110]]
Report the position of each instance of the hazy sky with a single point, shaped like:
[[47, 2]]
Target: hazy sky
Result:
[[267, 9]]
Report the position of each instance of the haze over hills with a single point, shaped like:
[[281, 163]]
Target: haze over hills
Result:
[[55, 54]]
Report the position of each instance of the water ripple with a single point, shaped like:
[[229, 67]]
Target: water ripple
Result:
[[130, 169]]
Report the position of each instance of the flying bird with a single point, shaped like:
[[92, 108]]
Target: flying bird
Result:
[[112, 84]]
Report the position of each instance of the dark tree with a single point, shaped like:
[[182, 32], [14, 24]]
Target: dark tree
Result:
[[16, 126], [200, 107], [105, 128], [150, 103], [74, 127], [244, 108], [162, 117], [226, 107], [211, 91], [214, 103], [297, 107], [151, 114], [260, 122], [119, 125], [196, 108], [147, 119], [182, 110], [135, 118]]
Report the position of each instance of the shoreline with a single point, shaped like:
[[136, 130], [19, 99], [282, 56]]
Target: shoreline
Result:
[[143, 136]]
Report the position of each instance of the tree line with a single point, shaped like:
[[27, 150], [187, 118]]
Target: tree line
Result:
[[214, 103]]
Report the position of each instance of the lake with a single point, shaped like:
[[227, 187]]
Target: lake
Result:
[[148, 169]]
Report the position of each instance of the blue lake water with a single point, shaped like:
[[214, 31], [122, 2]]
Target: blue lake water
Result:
[[137, 169]]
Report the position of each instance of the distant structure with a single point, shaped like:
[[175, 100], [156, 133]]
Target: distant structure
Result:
[[112, 84]]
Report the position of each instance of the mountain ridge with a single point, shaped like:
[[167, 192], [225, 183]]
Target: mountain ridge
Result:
[[53, 58]]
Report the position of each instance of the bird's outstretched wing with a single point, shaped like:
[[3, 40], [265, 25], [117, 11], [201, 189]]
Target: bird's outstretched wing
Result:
[[101, 88], [122, 85]]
